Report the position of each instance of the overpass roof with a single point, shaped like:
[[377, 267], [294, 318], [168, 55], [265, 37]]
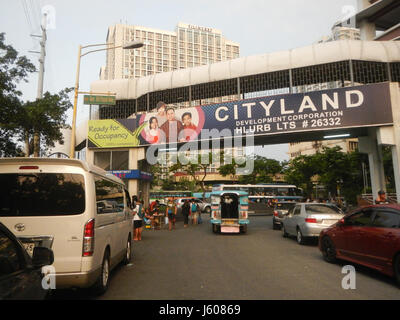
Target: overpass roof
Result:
[[384, 13], [316, 54]]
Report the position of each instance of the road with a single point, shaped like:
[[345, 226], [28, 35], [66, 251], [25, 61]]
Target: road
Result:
[[193, 263]]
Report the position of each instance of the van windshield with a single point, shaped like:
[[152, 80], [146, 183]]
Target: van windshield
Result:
[[41, 194]]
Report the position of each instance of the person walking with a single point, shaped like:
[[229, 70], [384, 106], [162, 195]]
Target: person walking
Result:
[[171, 213], [186, 213], [138, 221], [194, 213]]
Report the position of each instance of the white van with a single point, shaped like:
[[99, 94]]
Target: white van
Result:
[[79, 211]]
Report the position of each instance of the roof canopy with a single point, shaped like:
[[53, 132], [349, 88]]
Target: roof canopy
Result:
[[322, 53]]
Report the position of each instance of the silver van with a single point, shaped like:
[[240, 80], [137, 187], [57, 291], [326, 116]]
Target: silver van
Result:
[[79, 211]]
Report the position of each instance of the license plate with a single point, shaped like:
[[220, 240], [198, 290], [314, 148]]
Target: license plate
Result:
[[229, 222], [230, 229], [29, 247]]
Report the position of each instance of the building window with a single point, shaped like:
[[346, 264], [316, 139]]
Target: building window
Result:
[[112, 160]]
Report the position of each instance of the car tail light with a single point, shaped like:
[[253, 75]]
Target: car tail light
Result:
[[28, 167], [88, 239], [275, 213], [311, 220]]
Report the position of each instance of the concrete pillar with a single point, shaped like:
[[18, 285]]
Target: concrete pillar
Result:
[[370, 146], [362, 4], [396, 167], [134, 185], [367, 30], [89, 156], [395, 99]]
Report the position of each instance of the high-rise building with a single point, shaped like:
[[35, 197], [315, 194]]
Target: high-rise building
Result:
[[188, 46], [163, 51], [348, 145]]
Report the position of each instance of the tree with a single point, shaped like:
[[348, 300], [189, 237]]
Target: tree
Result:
[[388, 168], [334, 169], [19, 121], [46, 116], [195, 166], [13, 69], [300, 172], [264, 170]]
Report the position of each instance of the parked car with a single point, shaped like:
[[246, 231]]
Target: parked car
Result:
[[203, 206], [79, 211], [20, 275], [281, 209], [307, 220], [369, 236]]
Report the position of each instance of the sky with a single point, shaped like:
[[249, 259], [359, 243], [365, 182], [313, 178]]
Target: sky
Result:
[[259, 26]]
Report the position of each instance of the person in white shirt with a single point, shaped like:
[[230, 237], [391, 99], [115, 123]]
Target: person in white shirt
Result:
[[138, 221]]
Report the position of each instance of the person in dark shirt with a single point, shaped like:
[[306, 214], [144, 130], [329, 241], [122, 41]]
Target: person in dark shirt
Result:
[[381, 199], [186, 212]]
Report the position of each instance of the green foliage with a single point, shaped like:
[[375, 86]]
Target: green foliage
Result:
[[300, 172], [195, 166], [388, 167], [47, 116], [337, 171], [264, 170], [20, 121], [13, 69]]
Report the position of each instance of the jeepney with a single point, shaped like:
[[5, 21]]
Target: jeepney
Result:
[[229, 211]]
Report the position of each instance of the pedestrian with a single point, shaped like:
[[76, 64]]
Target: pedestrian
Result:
[[134, 200], [381, 199], [186, 213], [171, 213], [193, 212], [138, 221]]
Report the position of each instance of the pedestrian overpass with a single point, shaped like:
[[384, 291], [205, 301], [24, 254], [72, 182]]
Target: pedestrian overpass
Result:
[[337, 76]]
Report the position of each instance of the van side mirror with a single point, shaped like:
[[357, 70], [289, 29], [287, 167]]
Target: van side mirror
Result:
[[42, 257]]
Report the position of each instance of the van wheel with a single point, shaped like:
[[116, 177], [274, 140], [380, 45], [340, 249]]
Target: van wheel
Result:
[[102, 282], [128, 253]]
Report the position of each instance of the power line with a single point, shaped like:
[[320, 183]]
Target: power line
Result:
[[27, 17], [36, 15]]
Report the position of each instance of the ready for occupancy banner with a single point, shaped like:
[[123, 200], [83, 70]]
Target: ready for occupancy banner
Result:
[[348, 107]]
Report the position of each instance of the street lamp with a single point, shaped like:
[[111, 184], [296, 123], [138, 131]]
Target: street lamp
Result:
[[130, 45]]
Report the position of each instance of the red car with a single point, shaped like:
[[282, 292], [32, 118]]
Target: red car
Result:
[[369, 236]]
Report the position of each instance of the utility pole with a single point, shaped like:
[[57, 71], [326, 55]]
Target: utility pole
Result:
[[36, 135]]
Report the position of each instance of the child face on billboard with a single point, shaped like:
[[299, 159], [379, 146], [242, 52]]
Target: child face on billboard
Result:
[[154, 123]]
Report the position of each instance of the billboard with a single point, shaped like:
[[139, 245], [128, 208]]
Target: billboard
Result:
[[348, 107]]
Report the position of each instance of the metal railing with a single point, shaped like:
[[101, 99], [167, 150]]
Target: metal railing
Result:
[[368, 197]]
